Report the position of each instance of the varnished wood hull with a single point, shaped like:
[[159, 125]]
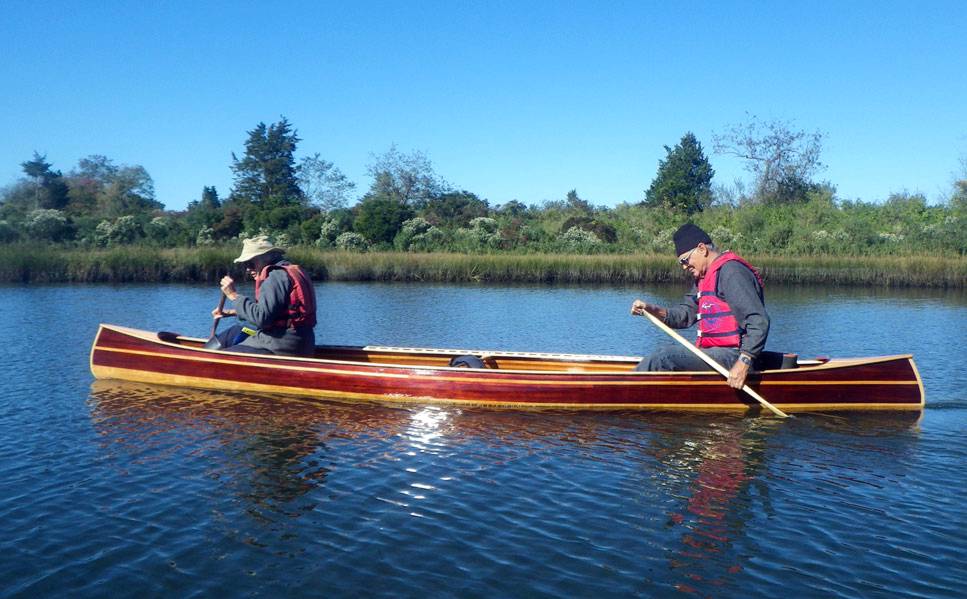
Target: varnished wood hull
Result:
[[512, 379]]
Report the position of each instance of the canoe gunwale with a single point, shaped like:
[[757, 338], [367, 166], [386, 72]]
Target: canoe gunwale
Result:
[[557, 357]]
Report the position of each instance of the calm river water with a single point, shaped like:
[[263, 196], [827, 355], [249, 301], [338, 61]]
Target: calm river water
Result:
[[132, 490]]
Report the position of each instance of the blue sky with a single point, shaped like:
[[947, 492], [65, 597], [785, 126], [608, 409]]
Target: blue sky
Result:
[[511, 100]]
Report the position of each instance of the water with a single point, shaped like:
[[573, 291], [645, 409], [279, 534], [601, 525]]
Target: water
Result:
[[126, 489]]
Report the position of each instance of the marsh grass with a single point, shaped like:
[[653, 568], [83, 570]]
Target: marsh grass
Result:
[[45, 264]]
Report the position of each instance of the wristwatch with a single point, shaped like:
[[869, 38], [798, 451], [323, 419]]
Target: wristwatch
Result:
[[745, 359]]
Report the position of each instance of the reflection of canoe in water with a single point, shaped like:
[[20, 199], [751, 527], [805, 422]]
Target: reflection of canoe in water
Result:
[[510, 378]]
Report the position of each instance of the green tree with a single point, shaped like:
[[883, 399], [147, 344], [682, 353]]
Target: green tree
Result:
[[50, 187], [379, 218], [99, 188], [266, 175], [204, 212], [129, 193], [575, 203], [684, 179], [454, 209]]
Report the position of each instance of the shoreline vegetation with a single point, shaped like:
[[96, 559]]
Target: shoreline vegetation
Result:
[[101, 222], [37, 264]]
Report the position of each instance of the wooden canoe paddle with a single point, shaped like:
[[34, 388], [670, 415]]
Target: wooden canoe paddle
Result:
[[705, 358], [221, 304]]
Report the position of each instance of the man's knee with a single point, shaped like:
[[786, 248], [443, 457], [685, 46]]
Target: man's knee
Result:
[[659, 360]]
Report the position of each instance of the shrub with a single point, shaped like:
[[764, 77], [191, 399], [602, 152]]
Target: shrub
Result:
[[577, 240], [8, 234], [482, 234], [417, 234], [205, 237], [158, 229], [48, 225], [351, 242]]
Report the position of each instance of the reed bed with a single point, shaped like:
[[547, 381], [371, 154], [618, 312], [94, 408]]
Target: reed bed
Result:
[[44, 264]]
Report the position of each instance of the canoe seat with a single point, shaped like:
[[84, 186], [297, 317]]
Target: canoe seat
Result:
[[774, 360], [468, 361]]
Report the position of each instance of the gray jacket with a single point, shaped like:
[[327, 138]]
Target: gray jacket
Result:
[[272, 305], [740, 288]]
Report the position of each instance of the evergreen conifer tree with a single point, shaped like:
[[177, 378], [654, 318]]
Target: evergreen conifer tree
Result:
[[684, 179], [266, 174]]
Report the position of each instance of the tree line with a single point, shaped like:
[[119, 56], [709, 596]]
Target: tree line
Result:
[[409, 207]]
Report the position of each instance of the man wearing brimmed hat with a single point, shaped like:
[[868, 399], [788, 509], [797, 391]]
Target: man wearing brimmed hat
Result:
[[282, 316], [727, 303]]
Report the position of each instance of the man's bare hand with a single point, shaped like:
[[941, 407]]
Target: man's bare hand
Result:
[[228, 287], [638, 308], [738, 374]]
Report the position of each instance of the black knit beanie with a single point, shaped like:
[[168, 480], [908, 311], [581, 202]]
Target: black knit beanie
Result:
[[687, 238]]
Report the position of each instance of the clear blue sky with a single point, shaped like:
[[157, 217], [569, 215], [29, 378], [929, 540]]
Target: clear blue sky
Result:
[[510, 100]]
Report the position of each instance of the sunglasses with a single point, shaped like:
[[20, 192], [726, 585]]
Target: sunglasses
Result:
[[684, 261]]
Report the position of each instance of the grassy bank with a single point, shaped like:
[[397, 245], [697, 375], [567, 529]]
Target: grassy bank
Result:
[[42, 264]]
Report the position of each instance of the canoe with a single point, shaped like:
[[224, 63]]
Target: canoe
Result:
[[519, 379]]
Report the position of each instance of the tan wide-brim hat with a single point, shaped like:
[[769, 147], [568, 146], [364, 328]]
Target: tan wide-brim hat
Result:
[[256, 246]]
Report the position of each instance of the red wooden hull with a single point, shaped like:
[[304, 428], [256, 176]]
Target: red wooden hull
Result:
[[551, 380]]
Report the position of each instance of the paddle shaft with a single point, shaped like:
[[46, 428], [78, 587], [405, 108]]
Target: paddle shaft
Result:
[[221, 304], [705, 358]]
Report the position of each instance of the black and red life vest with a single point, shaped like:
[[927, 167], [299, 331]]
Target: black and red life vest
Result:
[[717, 325], [301, 310]]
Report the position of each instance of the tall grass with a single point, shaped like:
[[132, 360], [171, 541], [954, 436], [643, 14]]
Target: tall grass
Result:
[[43, 264]]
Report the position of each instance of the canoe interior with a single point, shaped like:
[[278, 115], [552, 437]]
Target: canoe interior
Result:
[[437, 358]]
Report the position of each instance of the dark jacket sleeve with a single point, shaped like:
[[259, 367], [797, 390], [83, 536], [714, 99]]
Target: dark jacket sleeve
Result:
[[683, 314], [741, 289], [273, 300]]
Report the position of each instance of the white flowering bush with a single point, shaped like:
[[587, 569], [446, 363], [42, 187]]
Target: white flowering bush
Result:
[[158, 228], [482, 234], [328, 232], [417, 234], [48, 225], [102, 233], [578, 240], [723, 237], [351, 242], [662, 242], [126, 230], [205, 237], [122, 231]]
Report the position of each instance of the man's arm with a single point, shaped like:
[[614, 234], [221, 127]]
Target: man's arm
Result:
[[683, 314], [680, 316], [273, 299]]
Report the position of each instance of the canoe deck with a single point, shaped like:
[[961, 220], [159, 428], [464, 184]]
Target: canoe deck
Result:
[[519, 379]]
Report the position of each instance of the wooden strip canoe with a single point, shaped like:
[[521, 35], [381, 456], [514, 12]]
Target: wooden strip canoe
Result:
[[510, 379]]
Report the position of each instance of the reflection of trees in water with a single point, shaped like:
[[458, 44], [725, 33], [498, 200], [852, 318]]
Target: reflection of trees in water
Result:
[[270, 451]]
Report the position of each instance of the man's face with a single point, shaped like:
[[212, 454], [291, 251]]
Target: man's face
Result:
[[693, 262]]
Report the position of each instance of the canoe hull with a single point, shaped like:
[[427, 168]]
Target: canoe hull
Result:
[[862, 384]]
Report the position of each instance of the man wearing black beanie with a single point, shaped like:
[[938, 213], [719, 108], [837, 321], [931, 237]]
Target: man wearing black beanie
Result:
[[726, 301]]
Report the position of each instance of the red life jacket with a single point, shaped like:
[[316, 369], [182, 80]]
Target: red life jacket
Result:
[[301, 311], [717, 326]]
